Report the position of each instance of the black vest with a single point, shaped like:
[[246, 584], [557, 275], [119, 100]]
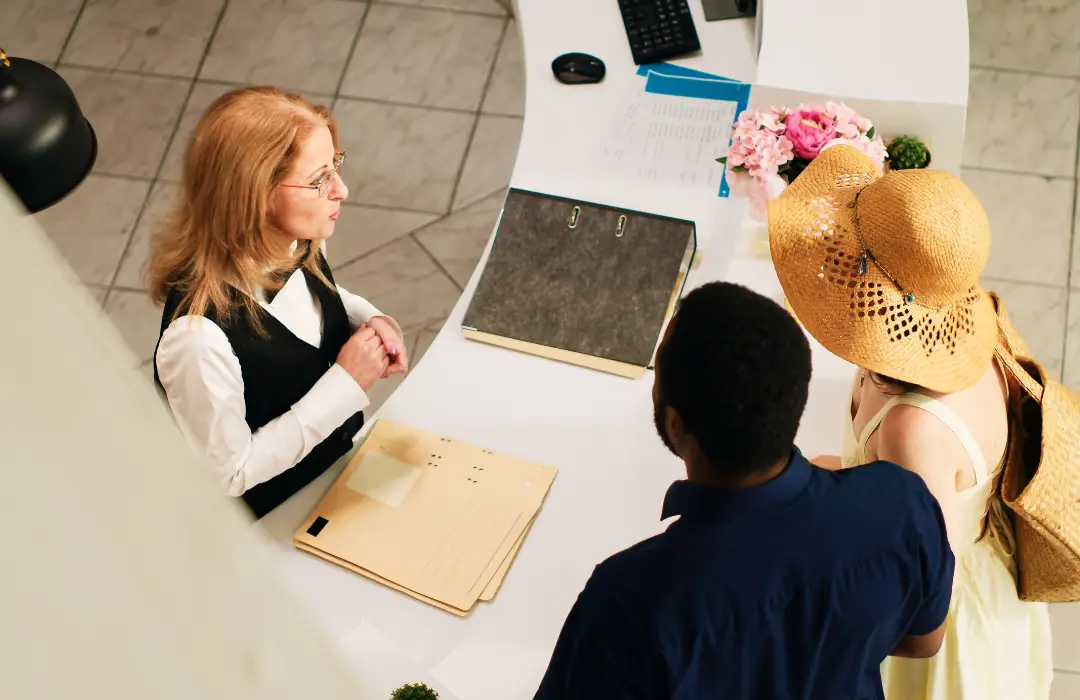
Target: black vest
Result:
[[278, 370]]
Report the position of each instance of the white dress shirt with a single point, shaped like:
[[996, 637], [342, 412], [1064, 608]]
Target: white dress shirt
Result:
[[205, 389]]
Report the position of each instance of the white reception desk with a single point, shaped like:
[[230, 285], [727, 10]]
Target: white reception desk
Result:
[[595, 428]]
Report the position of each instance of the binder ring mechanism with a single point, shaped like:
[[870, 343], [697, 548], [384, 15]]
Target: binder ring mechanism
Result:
[[575, 215]]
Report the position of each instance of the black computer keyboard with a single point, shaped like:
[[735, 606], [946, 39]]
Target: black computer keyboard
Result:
[[659, 29]]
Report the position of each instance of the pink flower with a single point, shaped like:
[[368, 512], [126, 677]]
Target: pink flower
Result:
[[874, 149], [772, 121], [774, 153], [747, 124], [809, 130]]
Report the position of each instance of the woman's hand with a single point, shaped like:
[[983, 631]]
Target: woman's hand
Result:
[[390, 335], [364, 357]]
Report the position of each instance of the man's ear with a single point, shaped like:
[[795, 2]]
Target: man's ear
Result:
[[676, 429]]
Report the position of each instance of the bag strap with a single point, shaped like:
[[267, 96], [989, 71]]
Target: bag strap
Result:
[[1026, 381], [1005, 354]]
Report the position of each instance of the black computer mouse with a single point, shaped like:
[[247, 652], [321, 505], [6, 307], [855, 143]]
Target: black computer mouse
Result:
[[578, 68]]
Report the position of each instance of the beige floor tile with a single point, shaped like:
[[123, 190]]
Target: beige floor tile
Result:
[[1065, 620], [297, 44], [1038, 313], [162, 198], [459, 240], [98, 292], [149, 37], [1071, 377], [1031, 220], [506, 94], [133, 115], [1076, 248], [1066, 686], [1035, 35], [423, 57], [37, 29], [92, 225], [403, 282], [1022, 122], [402, 157], [137, 319], [361, 230], [491, 159], [492, 7]]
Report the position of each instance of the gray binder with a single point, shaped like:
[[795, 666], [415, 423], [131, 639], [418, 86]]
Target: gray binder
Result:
[[580, 282]]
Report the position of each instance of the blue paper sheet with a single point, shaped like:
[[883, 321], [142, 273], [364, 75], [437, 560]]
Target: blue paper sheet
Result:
[[700, 86], [672, 69]]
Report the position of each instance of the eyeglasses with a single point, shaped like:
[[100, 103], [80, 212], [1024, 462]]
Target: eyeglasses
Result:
[[324, 181]]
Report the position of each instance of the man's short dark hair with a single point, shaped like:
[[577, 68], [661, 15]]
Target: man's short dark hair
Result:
[[736, 367]]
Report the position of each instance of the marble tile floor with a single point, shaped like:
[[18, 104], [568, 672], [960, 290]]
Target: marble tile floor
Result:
[[432, 148]]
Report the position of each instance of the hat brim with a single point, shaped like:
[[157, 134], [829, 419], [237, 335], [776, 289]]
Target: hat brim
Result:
[[861, 315]]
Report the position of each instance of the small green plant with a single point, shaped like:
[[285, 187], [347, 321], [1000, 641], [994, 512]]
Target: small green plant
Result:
[[414, 691], [908, 153]]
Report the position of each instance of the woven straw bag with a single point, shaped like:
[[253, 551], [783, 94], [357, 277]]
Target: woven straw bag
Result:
[[1041, 480]]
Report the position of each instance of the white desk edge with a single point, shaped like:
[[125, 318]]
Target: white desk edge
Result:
[[595, 428]]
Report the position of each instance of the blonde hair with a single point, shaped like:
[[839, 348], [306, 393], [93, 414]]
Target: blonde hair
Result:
[[221, 233]]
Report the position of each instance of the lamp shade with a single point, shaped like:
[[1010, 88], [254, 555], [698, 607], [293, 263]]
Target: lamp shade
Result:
[[47, 146]]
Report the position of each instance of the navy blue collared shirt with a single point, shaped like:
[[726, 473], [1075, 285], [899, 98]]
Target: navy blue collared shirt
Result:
[[793, 590]]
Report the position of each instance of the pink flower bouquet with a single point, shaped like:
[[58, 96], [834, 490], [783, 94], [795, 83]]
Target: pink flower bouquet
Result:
[[770, 148]]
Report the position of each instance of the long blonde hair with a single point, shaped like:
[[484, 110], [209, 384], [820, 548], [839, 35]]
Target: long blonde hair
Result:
[[221, 233]]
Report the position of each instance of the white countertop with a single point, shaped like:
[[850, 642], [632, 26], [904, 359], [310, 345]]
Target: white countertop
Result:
[[597, 429]]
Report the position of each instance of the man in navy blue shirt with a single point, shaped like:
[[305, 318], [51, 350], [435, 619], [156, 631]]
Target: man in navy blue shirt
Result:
[[779, 580]]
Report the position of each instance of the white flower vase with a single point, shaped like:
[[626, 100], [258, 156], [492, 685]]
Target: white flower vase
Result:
[[764, 189], [757, 214]]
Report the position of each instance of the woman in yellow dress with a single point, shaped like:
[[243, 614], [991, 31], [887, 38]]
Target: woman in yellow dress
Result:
[[883, 271]]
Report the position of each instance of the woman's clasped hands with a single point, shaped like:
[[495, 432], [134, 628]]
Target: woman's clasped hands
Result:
[[375, 351]]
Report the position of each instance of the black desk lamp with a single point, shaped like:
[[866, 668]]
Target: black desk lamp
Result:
[[47, 147]]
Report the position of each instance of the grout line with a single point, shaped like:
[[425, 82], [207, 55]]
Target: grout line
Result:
[[1026, 283], [122, 176], [123, 71], [349, 57], [1070, 254], [444, 10], [479, 109], [70, 34], [439, 219], [438, 265], [382, 246], [1024, 71], [1007, 171], [165, 153], [393, 103], [387, 207]]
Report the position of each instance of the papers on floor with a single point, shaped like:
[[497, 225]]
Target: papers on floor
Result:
[[673, 125]]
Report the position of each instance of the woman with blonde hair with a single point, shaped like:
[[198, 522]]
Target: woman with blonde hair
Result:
[[265, 362], [884, 272]]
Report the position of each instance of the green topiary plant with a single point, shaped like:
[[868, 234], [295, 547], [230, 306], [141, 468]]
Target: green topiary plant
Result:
[[414, 691], [908, 153]]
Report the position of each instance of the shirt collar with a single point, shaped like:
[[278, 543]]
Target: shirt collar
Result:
[[696, 501]]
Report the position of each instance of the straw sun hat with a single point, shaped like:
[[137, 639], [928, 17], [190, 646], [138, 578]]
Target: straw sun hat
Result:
[[884, 270]]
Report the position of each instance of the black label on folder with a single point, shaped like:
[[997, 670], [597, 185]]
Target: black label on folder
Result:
[[317, 526]]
